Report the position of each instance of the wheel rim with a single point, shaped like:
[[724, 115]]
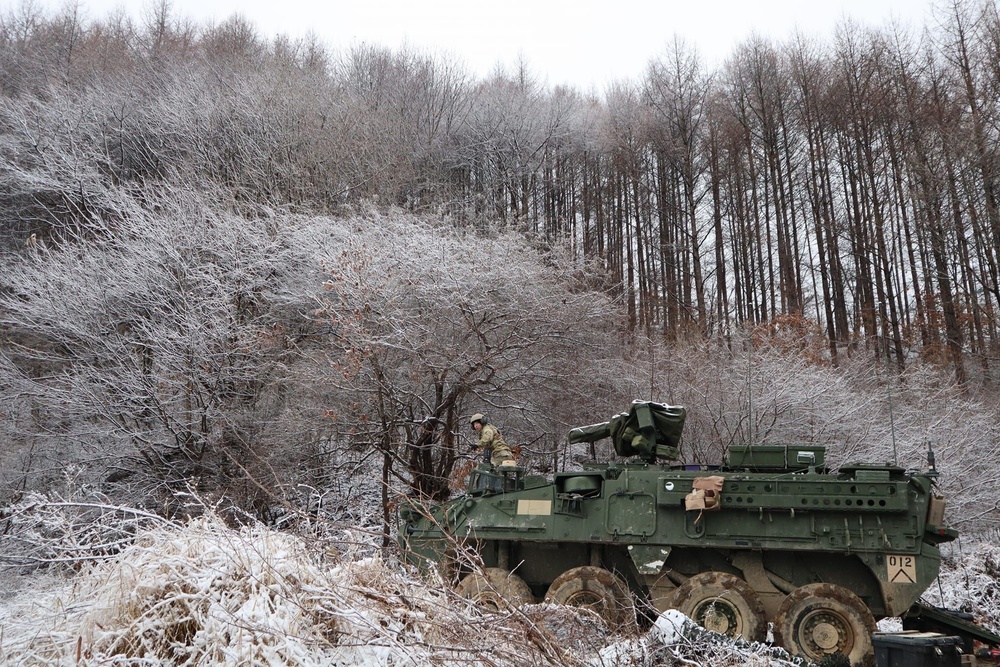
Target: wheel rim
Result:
[[722, 603], [495, 589], [821, 619], [588, 600], [488, 600], [594, 589], [824, 632], [717, 616]]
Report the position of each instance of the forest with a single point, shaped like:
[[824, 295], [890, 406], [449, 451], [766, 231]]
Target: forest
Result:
[[848, 188], [270, 278]]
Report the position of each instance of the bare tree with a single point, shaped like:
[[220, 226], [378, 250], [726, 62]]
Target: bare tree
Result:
[[429, 328], [160, 338]]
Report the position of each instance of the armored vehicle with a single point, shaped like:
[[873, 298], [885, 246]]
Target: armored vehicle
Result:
[[770, 536]]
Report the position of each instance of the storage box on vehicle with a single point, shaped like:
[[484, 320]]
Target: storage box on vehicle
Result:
[[917, 649], [775, 457]]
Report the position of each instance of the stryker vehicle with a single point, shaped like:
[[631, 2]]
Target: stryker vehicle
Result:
[[770, 536]]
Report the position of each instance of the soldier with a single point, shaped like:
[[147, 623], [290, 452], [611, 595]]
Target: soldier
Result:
[[491, 441]]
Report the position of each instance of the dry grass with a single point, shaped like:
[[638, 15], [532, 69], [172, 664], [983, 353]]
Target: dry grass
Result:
[[203, 593], [206, 594]]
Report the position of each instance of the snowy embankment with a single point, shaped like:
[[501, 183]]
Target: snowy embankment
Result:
[[970, 579], [207, 594]]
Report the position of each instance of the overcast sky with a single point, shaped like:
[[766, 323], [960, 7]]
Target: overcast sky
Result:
[[583, 43]]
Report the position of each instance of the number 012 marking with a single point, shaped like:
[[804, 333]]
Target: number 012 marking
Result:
[[901, 569]]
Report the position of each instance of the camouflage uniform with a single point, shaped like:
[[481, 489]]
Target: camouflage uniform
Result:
[[491, 440]]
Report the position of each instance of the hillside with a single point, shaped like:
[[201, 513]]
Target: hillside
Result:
[[845, 183], [250, 266]]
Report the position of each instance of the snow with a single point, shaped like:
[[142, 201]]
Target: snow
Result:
[[670, 625], [204, 593], [674, 639], [970, 580], [207, 594]]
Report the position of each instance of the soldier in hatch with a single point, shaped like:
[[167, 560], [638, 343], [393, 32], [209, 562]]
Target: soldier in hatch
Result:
[[491, 441]]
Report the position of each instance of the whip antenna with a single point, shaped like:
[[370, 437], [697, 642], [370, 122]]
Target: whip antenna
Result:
[[750, 390], [892, 427]]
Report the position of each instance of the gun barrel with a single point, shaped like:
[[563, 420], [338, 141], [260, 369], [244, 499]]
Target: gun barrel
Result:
[[591, 433]]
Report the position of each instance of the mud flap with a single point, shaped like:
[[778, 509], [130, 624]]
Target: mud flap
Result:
[[648, 558]]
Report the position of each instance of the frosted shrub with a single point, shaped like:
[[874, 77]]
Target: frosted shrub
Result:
[[206, 594]]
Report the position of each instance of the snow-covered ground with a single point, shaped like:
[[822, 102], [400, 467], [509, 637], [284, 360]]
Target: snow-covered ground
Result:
[[970, 579], [204, 593]]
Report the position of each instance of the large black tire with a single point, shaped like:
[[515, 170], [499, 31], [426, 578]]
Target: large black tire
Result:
[[598, 590], [495, 588], [723, 603], [818, 620]]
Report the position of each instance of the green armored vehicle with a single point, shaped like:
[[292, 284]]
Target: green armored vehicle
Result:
[[770, 536]]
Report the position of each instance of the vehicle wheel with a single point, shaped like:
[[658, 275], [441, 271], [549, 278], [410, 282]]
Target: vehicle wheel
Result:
[[817, 620], [494, 588], [723, 603], [597, 589]]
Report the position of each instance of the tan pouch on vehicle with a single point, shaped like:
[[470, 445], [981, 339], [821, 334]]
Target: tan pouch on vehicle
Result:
[[707, 494]]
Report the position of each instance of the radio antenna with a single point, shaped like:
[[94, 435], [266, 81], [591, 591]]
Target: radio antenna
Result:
[[652, 368], [892, 425], [750, 389]]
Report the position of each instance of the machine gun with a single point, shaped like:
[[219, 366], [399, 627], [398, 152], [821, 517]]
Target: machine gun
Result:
[[649, 430]]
